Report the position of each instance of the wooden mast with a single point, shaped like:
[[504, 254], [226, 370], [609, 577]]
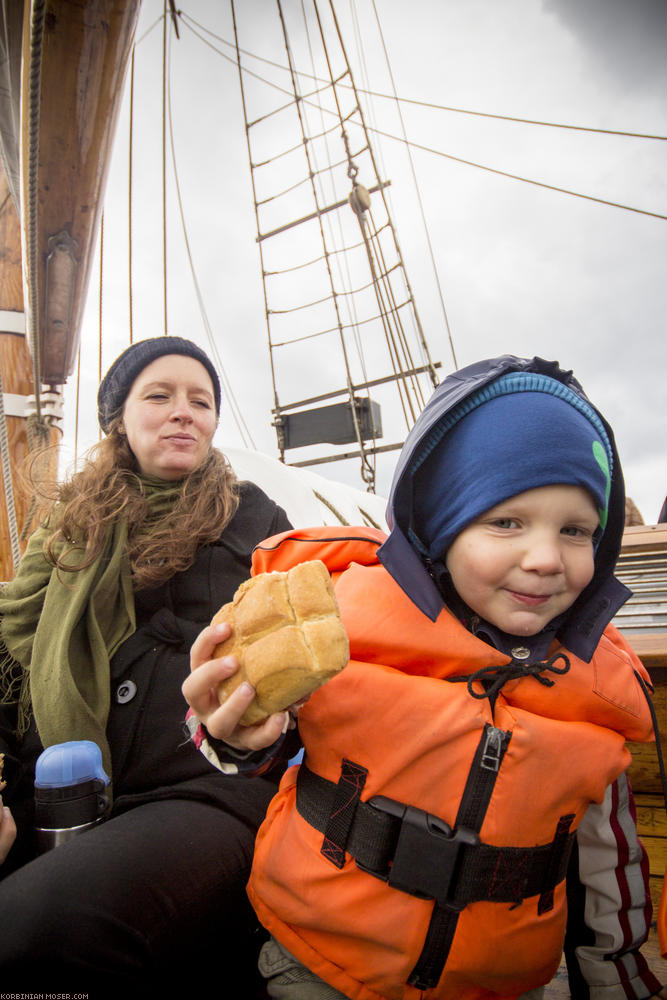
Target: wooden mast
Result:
[[75, 58], [17, 384], [74, 61]]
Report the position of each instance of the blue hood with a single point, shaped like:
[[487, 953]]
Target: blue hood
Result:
[[585, 621]]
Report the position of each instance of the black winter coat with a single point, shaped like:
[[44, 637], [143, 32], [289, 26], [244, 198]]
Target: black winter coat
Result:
[[152, 755]]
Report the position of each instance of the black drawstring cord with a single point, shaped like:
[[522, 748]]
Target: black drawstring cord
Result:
[[512, 671]]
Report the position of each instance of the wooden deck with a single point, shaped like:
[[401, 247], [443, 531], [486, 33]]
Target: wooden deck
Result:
[[643, 622]]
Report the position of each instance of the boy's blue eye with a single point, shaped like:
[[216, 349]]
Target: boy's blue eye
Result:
[[574, 531]]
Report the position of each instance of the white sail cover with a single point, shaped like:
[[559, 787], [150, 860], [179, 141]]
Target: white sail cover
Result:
[[307, 498]]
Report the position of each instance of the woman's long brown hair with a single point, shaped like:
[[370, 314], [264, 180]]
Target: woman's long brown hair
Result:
[[108, 488]]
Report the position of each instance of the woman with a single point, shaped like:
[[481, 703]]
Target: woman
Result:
[[142, 547]]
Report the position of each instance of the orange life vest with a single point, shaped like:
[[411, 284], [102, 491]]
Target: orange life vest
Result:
[[393, 722]]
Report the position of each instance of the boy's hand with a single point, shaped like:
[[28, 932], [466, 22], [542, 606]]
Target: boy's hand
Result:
[[222, 721]]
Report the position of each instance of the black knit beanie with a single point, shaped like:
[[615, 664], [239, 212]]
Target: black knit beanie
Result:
[[116, 384]]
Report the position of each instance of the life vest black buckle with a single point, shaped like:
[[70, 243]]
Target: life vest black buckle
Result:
[[427, 856]]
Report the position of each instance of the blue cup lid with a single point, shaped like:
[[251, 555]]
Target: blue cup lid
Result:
[[70, 763]]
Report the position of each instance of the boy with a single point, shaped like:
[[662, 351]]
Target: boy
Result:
[[472, 753]]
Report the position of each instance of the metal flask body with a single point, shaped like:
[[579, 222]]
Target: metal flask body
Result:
[[70, 792]]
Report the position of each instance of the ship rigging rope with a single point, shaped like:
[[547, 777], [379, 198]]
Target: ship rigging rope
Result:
[[525, 180], [76, 405], [413, 171], [367, 466], [314, 260], [512, 118], [260, 248], [165, 27], [458, 159], [37, 431], [334, 329], [357, 205], [237, 414], [317, 179], [130, 178], [361, 56], [339, 259], [379, 281], [395, 337], [423, 104], [297, 146], [36, 42], [101, 300], [10, 505]]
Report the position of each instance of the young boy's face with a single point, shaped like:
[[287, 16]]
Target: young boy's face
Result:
[[526, 560]]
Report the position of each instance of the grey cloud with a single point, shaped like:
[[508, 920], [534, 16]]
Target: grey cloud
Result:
[[628, 40]]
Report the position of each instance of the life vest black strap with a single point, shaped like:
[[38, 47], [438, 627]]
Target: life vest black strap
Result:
[[346, 798], [421, 854]]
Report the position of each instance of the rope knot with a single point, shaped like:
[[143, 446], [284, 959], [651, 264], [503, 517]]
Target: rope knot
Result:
[[499, 676]]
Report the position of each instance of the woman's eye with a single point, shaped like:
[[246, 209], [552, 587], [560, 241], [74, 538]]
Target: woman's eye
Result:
[[204, 403]]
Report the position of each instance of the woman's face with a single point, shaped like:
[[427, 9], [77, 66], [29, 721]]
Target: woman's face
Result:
[[169, 416]]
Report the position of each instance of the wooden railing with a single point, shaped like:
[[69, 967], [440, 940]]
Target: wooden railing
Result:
[[642, 566]]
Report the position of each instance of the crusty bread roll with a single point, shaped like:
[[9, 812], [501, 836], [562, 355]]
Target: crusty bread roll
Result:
[[287, 635]]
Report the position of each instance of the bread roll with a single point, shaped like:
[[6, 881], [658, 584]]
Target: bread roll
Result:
[[287, 636]]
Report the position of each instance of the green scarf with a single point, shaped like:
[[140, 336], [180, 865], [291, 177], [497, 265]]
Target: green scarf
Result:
[[63, 629]]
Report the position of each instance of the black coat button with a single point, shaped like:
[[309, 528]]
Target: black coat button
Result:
[[126, 692]]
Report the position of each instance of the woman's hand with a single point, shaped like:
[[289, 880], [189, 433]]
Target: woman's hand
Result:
[[7, 831], [222, 721]]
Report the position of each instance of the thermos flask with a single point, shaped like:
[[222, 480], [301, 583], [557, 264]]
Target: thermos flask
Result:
[[70, 786]]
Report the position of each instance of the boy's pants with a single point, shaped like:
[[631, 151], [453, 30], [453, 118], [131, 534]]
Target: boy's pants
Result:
[[287, 979]]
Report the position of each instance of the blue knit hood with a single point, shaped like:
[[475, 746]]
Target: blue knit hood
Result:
[[585, 621]]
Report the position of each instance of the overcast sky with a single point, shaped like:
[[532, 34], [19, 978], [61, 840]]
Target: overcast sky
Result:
[[520, 268]]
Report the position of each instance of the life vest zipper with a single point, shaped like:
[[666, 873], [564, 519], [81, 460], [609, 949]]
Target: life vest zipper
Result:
[[474, 803]]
